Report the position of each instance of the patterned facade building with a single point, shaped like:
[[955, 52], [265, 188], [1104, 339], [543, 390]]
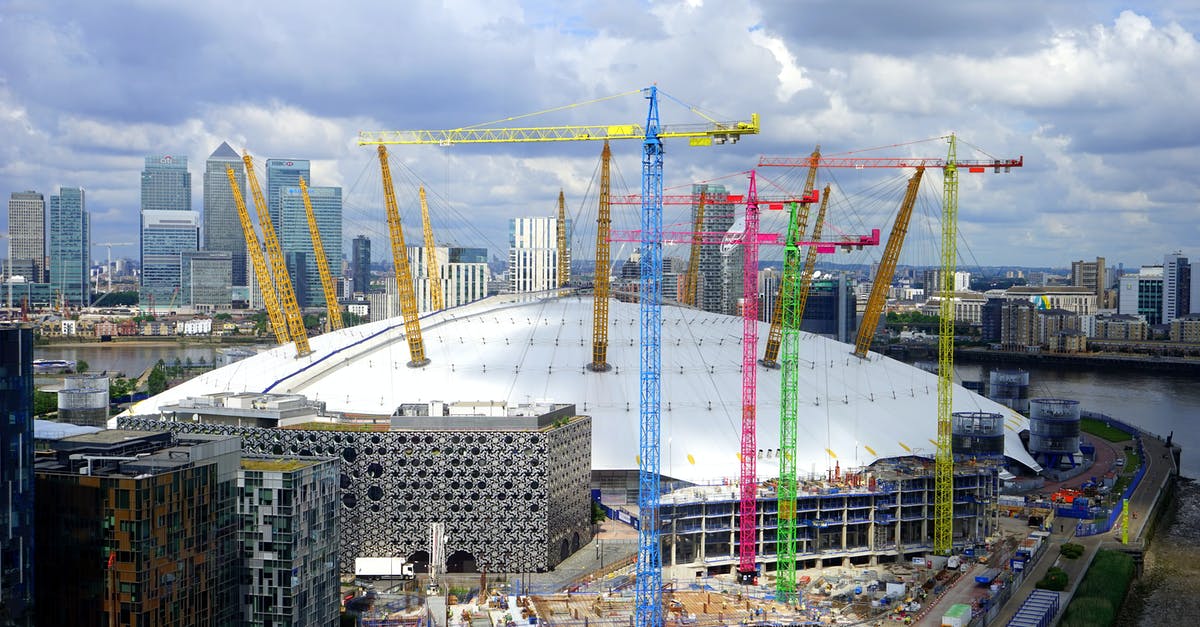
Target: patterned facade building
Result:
[[512, 490], [289, 537], [145, 526]]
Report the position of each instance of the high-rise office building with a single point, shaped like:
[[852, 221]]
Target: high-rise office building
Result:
[[289, 540], [933, 281], [70, 247], [360, 264], [1141, 294], [1177, 287], [166, 184], [27, 236], [295, 240], [720, 271], [463, 275], [282, 174], [165, 236], [222, 227], [768, 292], [533, 254], [16, 474], [1092, 274], [204, 280], [146, 526]]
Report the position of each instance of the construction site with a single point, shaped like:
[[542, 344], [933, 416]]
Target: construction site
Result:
[[769, 475]]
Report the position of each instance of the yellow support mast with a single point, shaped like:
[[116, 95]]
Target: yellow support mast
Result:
[[432, 272], [291, 309], [404, 284], [771, 355], [274, 313], [943, 507], [691, 281], [810, 259], [333, 310], [603, 263], [564, 264], [887, 267]]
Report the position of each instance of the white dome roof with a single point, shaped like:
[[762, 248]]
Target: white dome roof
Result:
[[526, 348]]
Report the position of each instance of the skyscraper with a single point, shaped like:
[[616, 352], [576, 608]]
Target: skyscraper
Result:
[[296, 242], [1176, 294], [16, 473], [165, 235], [222, 228], [70, 246], [283, 173], [27, 236], [166, 184], [720, 273], [533, 254], [360, 266], [463, 274], [204, 280]]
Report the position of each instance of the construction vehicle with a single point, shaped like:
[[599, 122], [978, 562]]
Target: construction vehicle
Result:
[[649, 609]]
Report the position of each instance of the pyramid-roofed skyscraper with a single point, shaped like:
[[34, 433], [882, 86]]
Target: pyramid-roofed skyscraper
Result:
[[222, 229]]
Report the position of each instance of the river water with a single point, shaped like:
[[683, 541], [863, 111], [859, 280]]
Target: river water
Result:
[[129, 359]]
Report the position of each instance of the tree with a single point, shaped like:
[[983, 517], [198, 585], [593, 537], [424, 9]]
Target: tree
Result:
[[223, 317], [351, 319], [81, 366], [119, 388], [177, 368], [44, 403], [188, 363], [312, 321], [157, 381]]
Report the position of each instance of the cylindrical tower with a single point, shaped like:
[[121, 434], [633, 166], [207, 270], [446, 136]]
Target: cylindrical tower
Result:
[[83, 406], [85, 381], [1054, 432], [977, 434], [1011, 388]]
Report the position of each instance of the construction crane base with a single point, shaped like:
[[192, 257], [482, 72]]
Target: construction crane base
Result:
[[773, 365], [420, 363], [594, 367]]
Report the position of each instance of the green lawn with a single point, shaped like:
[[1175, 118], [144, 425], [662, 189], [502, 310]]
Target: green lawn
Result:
[[1101, 429]]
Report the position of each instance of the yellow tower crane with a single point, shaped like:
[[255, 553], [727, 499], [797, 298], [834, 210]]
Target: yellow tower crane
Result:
[[274, 313], [564, 264], [291, 309], [810, 258], [775, 335], [882, 281], [691, 280], [333, 310], [404, 283], [600, 290], [431, 264]]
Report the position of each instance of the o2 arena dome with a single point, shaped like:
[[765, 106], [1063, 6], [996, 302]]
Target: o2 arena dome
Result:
[[534, 347]]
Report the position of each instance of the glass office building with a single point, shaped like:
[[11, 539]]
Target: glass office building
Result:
[[282, 174], [165, 236], [70, 247], [222, 227], [166, 184], [204, 279], [16, 472], [296, 242]]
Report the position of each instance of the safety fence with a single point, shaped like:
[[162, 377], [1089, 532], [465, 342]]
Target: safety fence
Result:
[[1091, 529]]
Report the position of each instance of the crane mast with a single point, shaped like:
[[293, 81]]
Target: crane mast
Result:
[[785, 580], [648, 597], [432, 272], [333, 311], [274, 313], [600, 290], [887, 267], [564, 265], [404, 284], [691, 281], [771, 355], [291, 309], [748, 510], [943, 508]]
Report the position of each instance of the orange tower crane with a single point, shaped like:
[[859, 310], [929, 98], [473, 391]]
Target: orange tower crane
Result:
[[404, 283], [564, 264], [603, 263], [261, 274]]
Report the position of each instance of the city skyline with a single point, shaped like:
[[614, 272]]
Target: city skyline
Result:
[[1089, 95]]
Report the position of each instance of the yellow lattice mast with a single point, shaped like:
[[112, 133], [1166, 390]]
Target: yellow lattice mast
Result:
[[564, 264], [810, 259], [600, 291], [291, 309], [691, 280], [943, 507], [771, 355], [274, 314], [432, 272], [404, 284], [887, 267], [332, 309]]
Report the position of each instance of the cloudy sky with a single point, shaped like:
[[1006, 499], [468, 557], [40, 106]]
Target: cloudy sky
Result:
[[1099, 97]]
